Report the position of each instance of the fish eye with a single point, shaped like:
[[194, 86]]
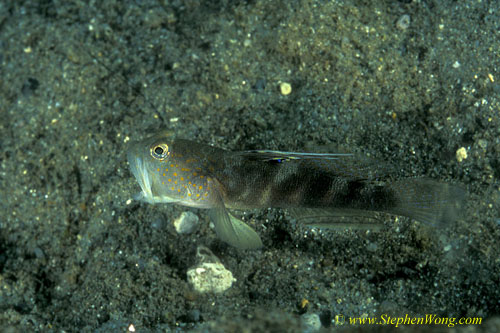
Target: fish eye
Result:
[[159, 151]]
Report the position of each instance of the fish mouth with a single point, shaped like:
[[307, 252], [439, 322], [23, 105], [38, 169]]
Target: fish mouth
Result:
[[139, 170]]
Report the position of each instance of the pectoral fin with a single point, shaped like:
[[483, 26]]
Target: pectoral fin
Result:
[[234, 231]]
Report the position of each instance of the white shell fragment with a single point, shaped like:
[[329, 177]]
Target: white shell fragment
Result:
[[186, 223], [210, 278]]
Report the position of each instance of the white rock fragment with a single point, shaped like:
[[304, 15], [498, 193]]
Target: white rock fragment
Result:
[[186, 223], [210, 278], [209, 275]]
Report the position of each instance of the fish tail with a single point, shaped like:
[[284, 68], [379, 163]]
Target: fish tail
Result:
[[428, 201]]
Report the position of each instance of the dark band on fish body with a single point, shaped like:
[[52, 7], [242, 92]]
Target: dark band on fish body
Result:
[[295, 183]]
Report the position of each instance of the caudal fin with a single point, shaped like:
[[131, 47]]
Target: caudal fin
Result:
[[428, 201]]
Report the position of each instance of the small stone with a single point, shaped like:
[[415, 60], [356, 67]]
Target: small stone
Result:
[[311, 322], [285, 88], [403, 22], [461, 154], [186, 223], [482, 143], [210, 278]]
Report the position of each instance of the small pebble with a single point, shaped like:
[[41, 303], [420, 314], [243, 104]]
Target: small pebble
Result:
[[461, 154], [186, 223], [311, 322], [285, 88], [482, 143], [403, 22]]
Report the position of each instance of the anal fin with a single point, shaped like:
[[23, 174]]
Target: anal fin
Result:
[[337, 218]]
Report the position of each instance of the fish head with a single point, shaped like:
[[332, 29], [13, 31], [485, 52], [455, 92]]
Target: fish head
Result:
[[167, 173]]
